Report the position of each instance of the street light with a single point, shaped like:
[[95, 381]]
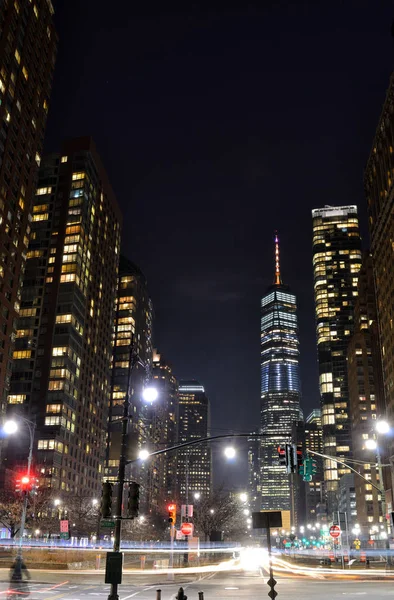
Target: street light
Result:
[[371, 444], [94, 501], [143, 454], [229, 452], [57, 502], [382, 427], [10, 427], [150, 394], [212, 510], [197, 495], [243, 497]]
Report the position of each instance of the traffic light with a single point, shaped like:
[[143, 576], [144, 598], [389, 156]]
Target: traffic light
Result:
[[133, 502], [171, 513], [106, 500], [287, 457], [307, 469], [299, 457], [24, 484], [282, 456], [313, 466]]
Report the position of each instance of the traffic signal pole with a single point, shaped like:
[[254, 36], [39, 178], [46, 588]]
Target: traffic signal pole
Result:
[[113, 595], [32, 427]]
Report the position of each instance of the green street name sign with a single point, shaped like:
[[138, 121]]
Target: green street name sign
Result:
[[107, 523]]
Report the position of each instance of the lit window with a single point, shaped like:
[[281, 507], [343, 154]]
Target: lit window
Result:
[[52, 421], [41, 217], [64, 159], [16, 398], [44, 190], [63, 318], [18, 354], [25, 73], [79, 175], [17, 57], [54, 408], [28, 312]]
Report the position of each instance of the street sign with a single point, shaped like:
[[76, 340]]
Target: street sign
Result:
[[335, 531], [186, 510], [64, 535], [64, 526], [179, 535], [187, 528], [113, 567], [107, 523]]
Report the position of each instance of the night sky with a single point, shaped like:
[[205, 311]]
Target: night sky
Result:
[[218, 126]]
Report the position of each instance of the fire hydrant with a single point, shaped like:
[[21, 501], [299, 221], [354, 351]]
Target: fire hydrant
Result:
[[181, 595]]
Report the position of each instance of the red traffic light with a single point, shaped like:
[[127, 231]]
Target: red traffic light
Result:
[[171, 507], [25, 480]]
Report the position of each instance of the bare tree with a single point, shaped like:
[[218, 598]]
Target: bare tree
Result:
[[10, 511], [217, 512]]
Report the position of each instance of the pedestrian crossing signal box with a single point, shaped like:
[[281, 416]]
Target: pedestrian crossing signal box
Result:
[[113, 567]]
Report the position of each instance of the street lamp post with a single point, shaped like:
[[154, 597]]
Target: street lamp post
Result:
[[149, 395], [11, 427]]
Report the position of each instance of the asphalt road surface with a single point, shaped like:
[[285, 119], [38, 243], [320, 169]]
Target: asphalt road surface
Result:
[[226, 586]]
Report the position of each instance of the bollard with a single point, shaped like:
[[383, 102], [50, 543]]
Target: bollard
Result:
[[181, 594], [200, 595], [158, 594]]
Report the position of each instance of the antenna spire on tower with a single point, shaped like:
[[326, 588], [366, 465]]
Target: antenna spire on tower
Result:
[[278, 279]]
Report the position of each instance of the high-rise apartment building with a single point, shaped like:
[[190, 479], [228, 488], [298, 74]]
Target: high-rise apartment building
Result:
[[63, 349], [194, 464], [27, 57], [280, 386], [159, 424], [365, 395], [379, 191], [132, 364], [336, 263]]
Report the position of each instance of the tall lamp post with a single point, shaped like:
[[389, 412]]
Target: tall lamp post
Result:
[[10, 428], [149, 395]]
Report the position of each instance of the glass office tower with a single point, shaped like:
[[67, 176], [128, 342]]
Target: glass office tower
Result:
[[280, 386]]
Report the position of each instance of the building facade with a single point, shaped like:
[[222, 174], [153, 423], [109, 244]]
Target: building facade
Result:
[[27, 57], [131, 366], [336, 264], [280, 386], [194, 463], [159, 424], [366, 395], [379, 191], [63, 348], [254, 472], [314, 441]]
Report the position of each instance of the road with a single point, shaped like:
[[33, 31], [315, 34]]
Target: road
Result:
[[223, 586]]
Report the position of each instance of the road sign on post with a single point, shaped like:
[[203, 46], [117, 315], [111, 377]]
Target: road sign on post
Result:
[[64, 526], [187, 528], [266, 520], [113, 567], [335, 531]]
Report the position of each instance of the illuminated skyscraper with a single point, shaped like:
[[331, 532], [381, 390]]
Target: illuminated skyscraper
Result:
[[27, 58], [280, 386], [133, 336], [194, 471], [379, 192], [336, 264], [63, 347]]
